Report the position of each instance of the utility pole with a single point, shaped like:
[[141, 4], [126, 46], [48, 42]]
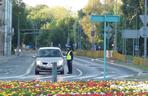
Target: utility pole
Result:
[[7, 27], [105, 62], [75, 33], [36, 33], [80, 32], [68, 40], [79, 38], [68, 36], [115, 37], [145, 38], [93, 36], [18, 33]]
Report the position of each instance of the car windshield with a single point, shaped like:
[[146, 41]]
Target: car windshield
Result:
[[49, 53]]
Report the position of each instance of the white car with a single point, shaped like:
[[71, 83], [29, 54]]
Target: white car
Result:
[[46, 56]]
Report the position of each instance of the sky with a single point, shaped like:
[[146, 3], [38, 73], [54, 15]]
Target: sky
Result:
[[73, 5]]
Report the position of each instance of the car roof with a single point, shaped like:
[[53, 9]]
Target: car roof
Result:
[[49, 48]]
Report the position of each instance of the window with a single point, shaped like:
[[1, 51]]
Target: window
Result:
[[49, 53]]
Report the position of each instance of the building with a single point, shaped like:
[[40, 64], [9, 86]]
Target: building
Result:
[[5, 27]]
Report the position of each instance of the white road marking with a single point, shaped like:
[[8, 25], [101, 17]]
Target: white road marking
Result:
[[29, 69], [81, 73]]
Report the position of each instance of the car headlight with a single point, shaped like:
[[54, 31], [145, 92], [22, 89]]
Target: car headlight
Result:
[[38, 63], [60, 62]]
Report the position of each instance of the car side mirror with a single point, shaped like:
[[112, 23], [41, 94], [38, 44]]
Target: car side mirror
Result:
[[64, 54]]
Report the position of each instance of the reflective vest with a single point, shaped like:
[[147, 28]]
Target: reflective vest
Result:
[[68, 57]]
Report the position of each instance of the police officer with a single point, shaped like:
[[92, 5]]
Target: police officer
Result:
[[69, 58]]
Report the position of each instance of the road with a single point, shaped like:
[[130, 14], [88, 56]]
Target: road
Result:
[[22, 68]]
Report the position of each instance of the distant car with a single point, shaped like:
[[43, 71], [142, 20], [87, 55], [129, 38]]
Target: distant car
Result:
[[46, 56]]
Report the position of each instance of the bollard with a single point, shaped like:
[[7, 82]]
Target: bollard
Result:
[[54, 72]]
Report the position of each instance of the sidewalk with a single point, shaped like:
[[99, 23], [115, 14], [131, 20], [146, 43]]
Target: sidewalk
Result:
[[6, 58], [14, 56]]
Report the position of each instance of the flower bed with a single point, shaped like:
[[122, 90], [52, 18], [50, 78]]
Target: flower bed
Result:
[[74, 88]]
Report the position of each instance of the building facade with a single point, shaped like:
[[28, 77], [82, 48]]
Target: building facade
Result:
[[6, 27]]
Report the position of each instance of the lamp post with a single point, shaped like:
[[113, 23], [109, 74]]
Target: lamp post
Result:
[[18, 26], [79, 37], [7, 26], [36, 39], [145, 38], [93, 36], [68, 34], [115, 37]]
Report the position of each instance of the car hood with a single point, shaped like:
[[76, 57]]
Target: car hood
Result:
[[49, 59]]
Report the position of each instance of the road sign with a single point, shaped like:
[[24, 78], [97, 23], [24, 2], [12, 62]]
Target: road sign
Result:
[[105, 18], [143, 32], [144, 19], [130, 34]]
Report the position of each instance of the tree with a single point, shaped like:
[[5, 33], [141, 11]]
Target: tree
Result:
[[93, 7], [131, 10], [19, 13], [54, 21]]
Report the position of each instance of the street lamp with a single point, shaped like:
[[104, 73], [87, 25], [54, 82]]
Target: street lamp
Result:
[[115, 37], [93, 36], [18, 33], [145, 38], [68, 34]]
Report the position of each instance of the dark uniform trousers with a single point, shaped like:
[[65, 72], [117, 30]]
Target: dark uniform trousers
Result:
[[69, 64]]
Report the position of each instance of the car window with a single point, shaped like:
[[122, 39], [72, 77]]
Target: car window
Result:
[[49, 53]]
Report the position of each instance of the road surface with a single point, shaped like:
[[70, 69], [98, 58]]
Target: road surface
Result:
[[22, 68]]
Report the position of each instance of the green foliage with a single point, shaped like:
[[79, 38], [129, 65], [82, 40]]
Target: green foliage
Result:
[[57, 22], [54, 22], [44, 39], [19, 13], [131, 10], [95, 7]]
